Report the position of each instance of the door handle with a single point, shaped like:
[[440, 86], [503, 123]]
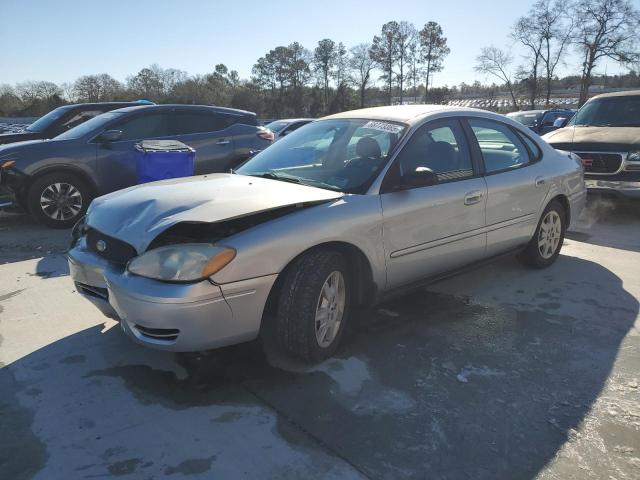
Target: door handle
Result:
[[474, 197], [540, 181], [223, 142]]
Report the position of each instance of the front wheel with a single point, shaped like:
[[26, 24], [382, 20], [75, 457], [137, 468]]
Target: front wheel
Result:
[[544, 247], [58, 200], [313, 305]]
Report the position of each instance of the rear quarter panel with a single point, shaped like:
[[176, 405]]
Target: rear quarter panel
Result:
[[566, 177]]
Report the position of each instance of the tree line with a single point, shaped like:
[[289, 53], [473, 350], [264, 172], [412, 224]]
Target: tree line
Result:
[[595, 29], [396, 66]]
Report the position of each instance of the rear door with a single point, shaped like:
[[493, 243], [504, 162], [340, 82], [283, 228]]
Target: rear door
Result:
[[432, 229], [209, 133], [116, 160], [516, 183]]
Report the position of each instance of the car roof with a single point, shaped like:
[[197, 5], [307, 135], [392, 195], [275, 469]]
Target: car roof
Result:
[[627, 93], [139, 108], [401, 113], [102, 104], [525, 112], [291, 120]]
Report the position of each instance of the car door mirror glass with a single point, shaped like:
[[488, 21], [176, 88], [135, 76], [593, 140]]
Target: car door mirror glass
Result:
[[110, 136], [420, 177], [560, 122]]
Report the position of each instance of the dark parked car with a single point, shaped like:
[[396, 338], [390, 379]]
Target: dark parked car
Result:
[[57, 179], [64, 118], [285, 126], [542, 121]]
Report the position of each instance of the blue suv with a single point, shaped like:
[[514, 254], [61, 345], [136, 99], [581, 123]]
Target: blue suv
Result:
[[55, 180]]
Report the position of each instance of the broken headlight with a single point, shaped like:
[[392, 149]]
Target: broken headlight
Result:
[[187, 262]]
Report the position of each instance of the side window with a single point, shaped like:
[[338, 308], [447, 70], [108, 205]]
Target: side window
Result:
[[144, 126], [500, 146], [74, 120], [295, 126], [440, 146], [533, 147], [185, 123]]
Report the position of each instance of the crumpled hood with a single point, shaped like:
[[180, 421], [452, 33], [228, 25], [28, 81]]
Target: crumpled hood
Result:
[[138, 214], [615, 138]]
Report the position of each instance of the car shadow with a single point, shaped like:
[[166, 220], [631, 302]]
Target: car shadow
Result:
[[430, 385], [21, 238], [601, 213]]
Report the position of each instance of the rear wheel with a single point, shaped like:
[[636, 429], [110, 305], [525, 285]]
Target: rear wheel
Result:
[[545, 246], [58, 200], [313, 305]]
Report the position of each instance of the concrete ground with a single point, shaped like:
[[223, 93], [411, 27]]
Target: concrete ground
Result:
[[500, 373]]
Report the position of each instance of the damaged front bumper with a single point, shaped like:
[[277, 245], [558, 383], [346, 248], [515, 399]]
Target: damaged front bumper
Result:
[[180, 317]]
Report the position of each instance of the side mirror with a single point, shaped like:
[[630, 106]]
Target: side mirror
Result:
[[420, 177], [560, 122], [110, 136]]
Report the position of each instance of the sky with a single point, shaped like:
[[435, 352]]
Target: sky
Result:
[[60, 40]]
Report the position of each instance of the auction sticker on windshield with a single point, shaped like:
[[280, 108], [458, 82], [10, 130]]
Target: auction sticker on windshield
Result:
[[383, 126]]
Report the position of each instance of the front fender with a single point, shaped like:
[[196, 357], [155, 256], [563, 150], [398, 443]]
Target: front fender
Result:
[[268, 248]]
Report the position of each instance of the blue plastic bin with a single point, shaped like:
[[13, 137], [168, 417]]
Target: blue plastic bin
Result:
[[161, 159]]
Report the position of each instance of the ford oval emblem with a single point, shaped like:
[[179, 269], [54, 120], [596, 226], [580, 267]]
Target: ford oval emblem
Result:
[[101, 245]]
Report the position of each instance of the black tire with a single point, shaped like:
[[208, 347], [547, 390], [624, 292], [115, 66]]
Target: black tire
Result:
[[298, 300], [532, 255], [43, 183]]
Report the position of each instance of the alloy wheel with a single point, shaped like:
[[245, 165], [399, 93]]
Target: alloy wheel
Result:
[[330, 309], [550, 234], [61, 201]]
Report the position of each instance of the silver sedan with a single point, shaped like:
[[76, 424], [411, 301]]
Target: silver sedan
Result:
[[341, 213]]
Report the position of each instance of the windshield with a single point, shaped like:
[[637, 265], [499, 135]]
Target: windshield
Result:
[[342, 154], [43, 123], [609, 112], [88, 126], [277, 126], [528, 119]]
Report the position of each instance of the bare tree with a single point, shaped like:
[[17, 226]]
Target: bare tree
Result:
[[361, 65], [434, 49], [497, 62], [384, 51], [96, 88], [415, 69], [526, 31], [606, 29], [324, 57], [406, 36], [340, 75], [147, 83], [556, 29]]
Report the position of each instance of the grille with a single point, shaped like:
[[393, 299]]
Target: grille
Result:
[[166, 334], [113, 250], [600, 162]]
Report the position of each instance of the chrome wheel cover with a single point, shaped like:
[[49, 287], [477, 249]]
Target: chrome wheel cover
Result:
[[549, 234], [61, 201], [330, 309]]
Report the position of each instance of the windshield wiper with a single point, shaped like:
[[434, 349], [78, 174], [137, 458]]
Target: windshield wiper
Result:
[[275, 176]]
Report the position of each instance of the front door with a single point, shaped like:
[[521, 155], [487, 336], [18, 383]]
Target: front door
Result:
[[516, 184], [117, 160], [432, 229]]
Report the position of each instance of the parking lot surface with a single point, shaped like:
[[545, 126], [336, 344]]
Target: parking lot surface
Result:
[[502, 372]]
